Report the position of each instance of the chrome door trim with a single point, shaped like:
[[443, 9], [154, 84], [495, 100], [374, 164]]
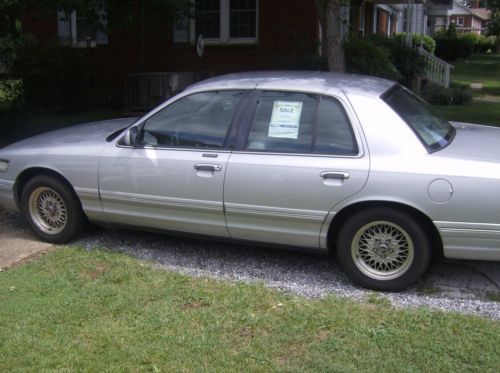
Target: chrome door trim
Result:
[[161, 201]]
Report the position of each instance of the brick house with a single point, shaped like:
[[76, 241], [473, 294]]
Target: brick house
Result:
[[238, 35]]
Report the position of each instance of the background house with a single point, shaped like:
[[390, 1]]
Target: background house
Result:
[[466, 19]]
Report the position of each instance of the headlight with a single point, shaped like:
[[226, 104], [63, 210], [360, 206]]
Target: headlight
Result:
[[4, 165]]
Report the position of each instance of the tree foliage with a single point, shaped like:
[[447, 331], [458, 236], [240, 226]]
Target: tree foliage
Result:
[[494, 23], [120, 13]]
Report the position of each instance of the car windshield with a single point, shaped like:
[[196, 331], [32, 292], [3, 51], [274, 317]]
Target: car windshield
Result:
[[432, 129]]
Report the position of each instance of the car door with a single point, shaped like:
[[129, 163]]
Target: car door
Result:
[[300, 156], [173, 178]]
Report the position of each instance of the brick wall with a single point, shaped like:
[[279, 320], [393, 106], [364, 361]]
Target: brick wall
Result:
[[288, 32]]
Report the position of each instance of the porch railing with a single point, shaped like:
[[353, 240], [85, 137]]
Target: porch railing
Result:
[[436, 70]]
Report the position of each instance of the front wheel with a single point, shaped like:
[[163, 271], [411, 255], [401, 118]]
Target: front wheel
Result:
[[383, 249], [52, 209]]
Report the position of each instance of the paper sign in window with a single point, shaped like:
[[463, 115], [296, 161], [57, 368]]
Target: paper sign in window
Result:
[[285, 119]]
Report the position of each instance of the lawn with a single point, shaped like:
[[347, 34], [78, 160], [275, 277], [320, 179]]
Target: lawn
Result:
[[474, 112], [479, 68], [99, 311]]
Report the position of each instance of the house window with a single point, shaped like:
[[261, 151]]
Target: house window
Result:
[[208, 18], [242, 18], [220, 22], [460, 21], [76, 31]]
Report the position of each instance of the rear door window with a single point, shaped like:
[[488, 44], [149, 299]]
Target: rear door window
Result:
[[295, 122]]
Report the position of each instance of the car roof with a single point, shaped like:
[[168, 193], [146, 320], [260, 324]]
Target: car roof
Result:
[[311, 81]]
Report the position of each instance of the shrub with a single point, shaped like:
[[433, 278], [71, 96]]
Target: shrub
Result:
[[427, 42], [405, 59], [451, 49], [380, 56], [485, 45], [364, 57], [10, 91], [408, 62], [52, 74], [454, 95], [472, 37]]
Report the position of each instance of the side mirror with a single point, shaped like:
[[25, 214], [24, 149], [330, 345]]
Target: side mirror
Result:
[[132, 137]]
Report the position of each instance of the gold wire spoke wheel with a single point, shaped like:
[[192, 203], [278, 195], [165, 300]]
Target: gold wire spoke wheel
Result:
[[48, 210], [382, 250]]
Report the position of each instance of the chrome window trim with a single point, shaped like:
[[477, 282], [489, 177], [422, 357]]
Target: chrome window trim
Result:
[[299, 154], [149, 147]]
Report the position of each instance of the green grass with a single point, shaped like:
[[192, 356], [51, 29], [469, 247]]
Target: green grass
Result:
[[474, 112], [99, 311], [479, 68]]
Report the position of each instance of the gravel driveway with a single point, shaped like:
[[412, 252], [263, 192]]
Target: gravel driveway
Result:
[[462, 286]]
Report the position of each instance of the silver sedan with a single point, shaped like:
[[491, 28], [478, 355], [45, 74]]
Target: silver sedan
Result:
[[348, 165]]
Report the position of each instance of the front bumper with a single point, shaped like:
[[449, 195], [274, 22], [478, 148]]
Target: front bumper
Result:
[[7, 200]]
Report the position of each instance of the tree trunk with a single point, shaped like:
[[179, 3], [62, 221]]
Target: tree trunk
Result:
[[330, 16]]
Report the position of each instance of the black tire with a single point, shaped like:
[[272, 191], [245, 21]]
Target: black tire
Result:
[[52, 209], [383, 249]]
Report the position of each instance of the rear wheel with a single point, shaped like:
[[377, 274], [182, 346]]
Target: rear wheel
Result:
[[383, 249], [52, 209]]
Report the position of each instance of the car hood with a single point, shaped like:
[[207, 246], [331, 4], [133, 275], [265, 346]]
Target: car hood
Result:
[[86, 135], [474, 142]]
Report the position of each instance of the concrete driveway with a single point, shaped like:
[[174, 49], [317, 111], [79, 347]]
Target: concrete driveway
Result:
[[17, 242]]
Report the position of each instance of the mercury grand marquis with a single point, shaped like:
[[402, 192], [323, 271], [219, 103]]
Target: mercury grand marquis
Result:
[[354, 166]]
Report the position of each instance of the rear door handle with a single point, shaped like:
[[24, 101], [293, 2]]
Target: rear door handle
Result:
[[207, 167], [335, 175]]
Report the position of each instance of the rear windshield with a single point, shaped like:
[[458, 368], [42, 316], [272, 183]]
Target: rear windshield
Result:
[[432, 129]]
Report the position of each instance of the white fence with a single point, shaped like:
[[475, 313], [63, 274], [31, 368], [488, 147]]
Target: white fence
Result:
[[436, 70]]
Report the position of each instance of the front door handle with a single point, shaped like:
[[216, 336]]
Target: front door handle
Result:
[[338, 175], [207, 167]]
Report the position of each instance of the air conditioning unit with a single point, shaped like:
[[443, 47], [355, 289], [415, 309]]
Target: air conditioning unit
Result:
[[143, 91]]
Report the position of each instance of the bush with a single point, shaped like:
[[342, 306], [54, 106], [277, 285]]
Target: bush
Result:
[[485, 45], [10, 91], [408, 62], [428, 43], [364, 57], [454, 95], [52, 74], [405, 59], [451, 49], [472, 37], [380, 56]]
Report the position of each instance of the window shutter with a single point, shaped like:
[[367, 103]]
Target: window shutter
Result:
[[64, 27], [101, 36]]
